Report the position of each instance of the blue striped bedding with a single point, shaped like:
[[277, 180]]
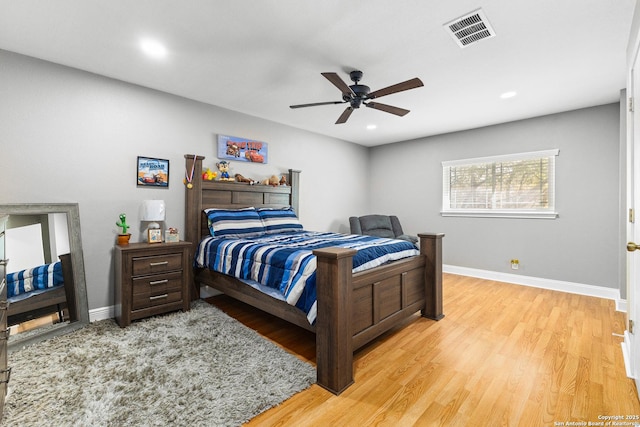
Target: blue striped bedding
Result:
[[41, 278], [284, 262]]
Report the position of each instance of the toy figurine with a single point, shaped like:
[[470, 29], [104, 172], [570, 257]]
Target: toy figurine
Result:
[[208, 174], [223, 167], [273, 181], [123, 223], [123, 238], [241, 178]]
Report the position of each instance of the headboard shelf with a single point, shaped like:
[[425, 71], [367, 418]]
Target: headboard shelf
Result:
[[231, 194]]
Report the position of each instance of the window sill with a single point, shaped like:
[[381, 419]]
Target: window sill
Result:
[[500, 214]]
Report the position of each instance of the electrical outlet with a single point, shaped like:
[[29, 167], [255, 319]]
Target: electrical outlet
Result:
[[515, 264]]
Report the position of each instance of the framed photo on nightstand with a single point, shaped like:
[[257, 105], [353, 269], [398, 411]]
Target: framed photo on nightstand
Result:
[[154, 235]]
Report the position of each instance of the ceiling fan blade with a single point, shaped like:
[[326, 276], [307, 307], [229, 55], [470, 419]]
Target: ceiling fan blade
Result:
[[387, 108], [345, 115], [409, 84], [316, 104], [338, 82]]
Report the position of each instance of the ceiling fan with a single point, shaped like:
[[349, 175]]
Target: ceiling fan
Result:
[[358, 94]]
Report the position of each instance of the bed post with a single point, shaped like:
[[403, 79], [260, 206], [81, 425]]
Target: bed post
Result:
[[334, 338], [294, 182], [431, 248], [192, 209]]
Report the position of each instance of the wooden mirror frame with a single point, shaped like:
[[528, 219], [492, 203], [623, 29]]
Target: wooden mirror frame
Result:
[[75, 247]]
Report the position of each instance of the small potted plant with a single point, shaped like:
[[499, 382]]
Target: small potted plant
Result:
[[123, 238]]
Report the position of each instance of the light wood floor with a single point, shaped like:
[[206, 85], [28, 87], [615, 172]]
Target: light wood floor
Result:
[[503, 355], [35, 323]]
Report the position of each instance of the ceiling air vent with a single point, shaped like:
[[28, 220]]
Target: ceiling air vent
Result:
[[470, 28]]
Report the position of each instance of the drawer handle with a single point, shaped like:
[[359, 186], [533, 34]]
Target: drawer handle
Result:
[[155, 264], [158, 297], [157, 282]]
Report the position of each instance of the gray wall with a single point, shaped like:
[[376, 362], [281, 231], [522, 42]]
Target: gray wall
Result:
[[71, 136], [580, 246]]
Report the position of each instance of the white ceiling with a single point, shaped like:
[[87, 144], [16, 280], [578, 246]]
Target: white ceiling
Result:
[[259, 57]]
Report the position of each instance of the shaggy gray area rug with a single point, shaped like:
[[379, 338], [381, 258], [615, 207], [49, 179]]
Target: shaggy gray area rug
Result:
[[200, 368]]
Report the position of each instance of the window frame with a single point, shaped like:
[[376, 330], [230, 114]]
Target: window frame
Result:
[[546, 213]]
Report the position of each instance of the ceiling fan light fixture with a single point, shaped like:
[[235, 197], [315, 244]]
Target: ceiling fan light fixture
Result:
[[358, 94]]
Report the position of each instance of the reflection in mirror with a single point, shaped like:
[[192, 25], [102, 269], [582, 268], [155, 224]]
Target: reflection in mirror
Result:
[[45, 271]]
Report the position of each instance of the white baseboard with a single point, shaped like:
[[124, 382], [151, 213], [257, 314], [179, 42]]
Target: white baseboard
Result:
[[621, 305], [102, 313], [109, 312], [626, 351], [536, 282]]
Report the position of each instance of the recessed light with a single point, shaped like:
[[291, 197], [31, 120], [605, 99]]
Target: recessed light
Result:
[[509, 94], [371, 127], [153, 48]]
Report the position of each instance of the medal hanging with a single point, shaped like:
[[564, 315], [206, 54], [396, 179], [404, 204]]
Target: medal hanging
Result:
[[189, 178]]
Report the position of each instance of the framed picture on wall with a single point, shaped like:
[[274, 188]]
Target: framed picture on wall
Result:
[[152, 172], [242, 149]]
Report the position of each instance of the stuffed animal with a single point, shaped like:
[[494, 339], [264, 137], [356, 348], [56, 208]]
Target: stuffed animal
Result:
[[223, 167], [283, 180], [209, 175], [273, 180], [240, 178]]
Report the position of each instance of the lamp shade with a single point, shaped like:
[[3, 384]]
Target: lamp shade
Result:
[[152, 210]]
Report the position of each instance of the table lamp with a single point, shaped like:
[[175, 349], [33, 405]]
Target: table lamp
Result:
[[153, 212]]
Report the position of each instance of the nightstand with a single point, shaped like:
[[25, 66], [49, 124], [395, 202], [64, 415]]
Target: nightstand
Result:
[[151, 279]]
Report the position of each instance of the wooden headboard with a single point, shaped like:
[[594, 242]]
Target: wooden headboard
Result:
[[229, 194]]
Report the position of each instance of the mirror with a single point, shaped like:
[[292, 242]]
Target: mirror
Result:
[[46, 236]]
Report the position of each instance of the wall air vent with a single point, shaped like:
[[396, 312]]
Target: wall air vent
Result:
[[470, 28]]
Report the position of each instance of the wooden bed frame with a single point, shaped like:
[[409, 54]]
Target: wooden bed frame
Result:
[[53, 301], [352, 309]]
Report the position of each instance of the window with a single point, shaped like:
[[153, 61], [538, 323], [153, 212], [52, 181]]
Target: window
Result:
[[517, 185]]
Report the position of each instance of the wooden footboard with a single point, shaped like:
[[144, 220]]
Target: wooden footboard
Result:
[[354, 309]]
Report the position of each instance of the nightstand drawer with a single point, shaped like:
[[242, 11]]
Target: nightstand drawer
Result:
[[158, 283], [157, 264], [146, 300]]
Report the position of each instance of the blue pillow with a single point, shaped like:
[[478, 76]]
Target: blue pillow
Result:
[[279, 220], [234, 223]]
